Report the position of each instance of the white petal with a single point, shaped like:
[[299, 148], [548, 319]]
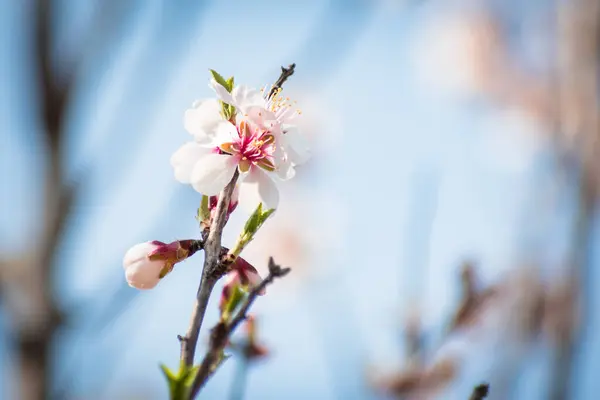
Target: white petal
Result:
[[265, 119], [258, 187], [140, 272], [283, 166], [144, 274], [245, 97], [285, 170], [185, 158], [221, 92], [202, 120], [295, 145], [138, 252], [226, 132], [212, 173]]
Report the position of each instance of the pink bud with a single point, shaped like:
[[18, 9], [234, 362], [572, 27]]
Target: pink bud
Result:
[[213, 201], [242, 274], [144, 263], [248, 275]]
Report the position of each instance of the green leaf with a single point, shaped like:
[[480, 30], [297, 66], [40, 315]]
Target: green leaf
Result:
[[253, 222], [264, 216], [220, 80], [235, 299], [228, 110], [229, 86], [191, 374], [203, 211], [175, 389], [168, 373]]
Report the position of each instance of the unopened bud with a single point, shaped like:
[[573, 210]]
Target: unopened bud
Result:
[[253, 350], [214, 200], [242, 275], [147, 263]]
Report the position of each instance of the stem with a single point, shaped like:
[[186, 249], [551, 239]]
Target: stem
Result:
[[285, 74], [189, 341], [238, 386], [222, 331], [210, 274]]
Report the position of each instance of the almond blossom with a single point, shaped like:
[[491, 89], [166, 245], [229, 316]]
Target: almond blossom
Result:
[[258, 141], [243, 147], [147, 263], [272, 112]]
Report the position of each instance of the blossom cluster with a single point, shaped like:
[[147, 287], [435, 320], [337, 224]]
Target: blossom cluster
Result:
[[245, 132], [245, 129]]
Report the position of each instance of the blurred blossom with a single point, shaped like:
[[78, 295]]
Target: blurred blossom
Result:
[[455, 53], [562, 309], [304, 229], [253, 350], [321, 121], [509, 141]]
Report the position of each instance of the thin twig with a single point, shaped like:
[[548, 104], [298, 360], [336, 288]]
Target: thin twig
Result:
[[210, 274], [221, 333], [285, 74], [480, 392]]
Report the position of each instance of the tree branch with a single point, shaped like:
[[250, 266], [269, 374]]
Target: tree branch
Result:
[[213, 269], [480, 392], [285, 74], [221, 333], [210, 274]]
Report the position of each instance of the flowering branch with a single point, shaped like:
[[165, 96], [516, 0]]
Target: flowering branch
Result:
[[480, 392], [221, 333], [210, 274], [213, 270], [242, 137]]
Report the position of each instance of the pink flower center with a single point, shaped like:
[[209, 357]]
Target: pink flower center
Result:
[[253, 146]]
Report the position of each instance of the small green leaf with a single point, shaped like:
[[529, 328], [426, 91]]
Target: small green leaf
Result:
[[168, 373], [234, 301], [253, 222], [220, 80], [203, 211], [228, 110], [265, 215], [229, 86]]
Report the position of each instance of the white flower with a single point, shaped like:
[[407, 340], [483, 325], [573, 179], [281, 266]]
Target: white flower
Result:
[[245, 147], [272, 113], [258, 142], [203, 119]]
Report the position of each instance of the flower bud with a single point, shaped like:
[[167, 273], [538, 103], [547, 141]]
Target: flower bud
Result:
[[242, 275], [147, 263], [253, 350], [214, 200]]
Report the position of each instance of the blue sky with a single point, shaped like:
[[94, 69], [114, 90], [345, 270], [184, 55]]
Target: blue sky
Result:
[[402, 146]]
